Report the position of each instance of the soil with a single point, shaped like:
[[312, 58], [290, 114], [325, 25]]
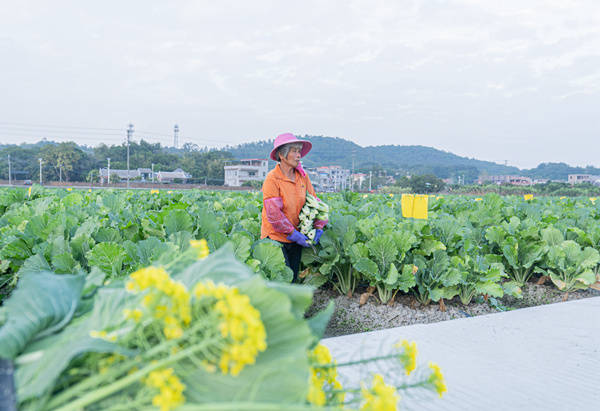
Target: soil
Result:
[[350, 317]]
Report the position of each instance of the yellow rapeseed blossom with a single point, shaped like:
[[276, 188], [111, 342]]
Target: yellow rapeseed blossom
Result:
[[153, 191], [89, 190], [168, 300], [323, 379], [528, 197], [201, 247], [437, 379], [69, 189], [365, 196], [103, 335], [29, 192], [562, 197], [240, 325], [170, 389], [408, 357], [316, 394], [391, 194], [134, 315], [380, 397], [593, 200], [169, 192], [478, 199]]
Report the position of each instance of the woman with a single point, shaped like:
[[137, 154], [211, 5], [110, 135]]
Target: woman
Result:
[[284, 195]]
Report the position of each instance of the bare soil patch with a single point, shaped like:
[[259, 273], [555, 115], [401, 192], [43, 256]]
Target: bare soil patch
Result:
[[350, 317]]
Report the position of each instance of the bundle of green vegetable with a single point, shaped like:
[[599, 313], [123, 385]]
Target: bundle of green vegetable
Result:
[[313, 209]]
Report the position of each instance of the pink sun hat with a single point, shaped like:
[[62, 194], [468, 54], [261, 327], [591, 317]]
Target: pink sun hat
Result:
[[287, 138]]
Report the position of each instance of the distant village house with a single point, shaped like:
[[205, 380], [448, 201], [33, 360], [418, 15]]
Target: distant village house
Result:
[[250, 169]]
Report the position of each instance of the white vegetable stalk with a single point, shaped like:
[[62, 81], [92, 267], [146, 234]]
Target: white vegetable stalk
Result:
[[313, 210]]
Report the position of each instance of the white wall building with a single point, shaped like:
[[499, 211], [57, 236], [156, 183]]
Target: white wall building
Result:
[[331, 178], [250, 169], [583, 178]]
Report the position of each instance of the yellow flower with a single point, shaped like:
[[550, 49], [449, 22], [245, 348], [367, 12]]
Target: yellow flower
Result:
[[169, 192], [528, 197], [316, 395], [365, 196], [323, 384], [29, 192], [89, 190], [103, 335], [240, 325], [478, 199], [593, 200], [437, 379], [562, 198], [391, 195], [153, 191], [201, 247], [135, 314], [170, 389], [380, 397], [69, 189], [408, 358], [168, 300]]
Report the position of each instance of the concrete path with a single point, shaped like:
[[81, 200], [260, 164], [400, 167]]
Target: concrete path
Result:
[[539, 358]]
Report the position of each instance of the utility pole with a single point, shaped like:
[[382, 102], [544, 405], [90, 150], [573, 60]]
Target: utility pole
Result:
[[152, 173], [60, 173], [108, 173], [129, 135], [176, 136], [40, 160], [370, 173], [9, 172]]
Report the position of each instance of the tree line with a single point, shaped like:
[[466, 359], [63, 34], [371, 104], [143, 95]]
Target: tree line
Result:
[[71, 162]]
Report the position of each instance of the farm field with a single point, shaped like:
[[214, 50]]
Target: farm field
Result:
[[73, 261]]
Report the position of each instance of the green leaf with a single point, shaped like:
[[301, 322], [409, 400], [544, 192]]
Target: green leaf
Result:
[[512, 288], [552, 236], [151, 249], [106, 235], [242, 244], [108, 257], [41, 302], [177, 220], [43, 361], [367, 267], [64, 263], [280, 373], [392, 275], [407, 280], [318, 323]]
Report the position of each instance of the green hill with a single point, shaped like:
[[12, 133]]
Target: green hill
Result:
[[394, 158]]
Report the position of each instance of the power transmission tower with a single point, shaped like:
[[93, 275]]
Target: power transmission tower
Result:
[[9, 172], [176, 136], [129, 135], [40, 160]]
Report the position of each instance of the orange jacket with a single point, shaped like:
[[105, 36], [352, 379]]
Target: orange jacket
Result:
[[282, 201]]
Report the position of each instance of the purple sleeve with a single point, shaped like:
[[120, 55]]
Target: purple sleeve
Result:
[[320, 223], [275, 216]]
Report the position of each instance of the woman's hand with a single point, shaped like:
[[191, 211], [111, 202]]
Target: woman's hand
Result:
[[298, 238], [318, 234]]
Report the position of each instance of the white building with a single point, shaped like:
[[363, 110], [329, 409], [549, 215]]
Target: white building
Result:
[[170, 176], [116, 175], [583, 178], [250, 169], [331, 178]]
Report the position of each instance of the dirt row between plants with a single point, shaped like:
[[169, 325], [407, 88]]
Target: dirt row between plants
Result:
[[351, 317]]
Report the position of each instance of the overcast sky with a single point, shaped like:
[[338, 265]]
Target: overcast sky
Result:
[[511, 80]]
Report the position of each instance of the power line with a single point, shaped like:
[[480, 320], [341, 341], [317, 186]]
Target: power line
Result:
[[57, 126]]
